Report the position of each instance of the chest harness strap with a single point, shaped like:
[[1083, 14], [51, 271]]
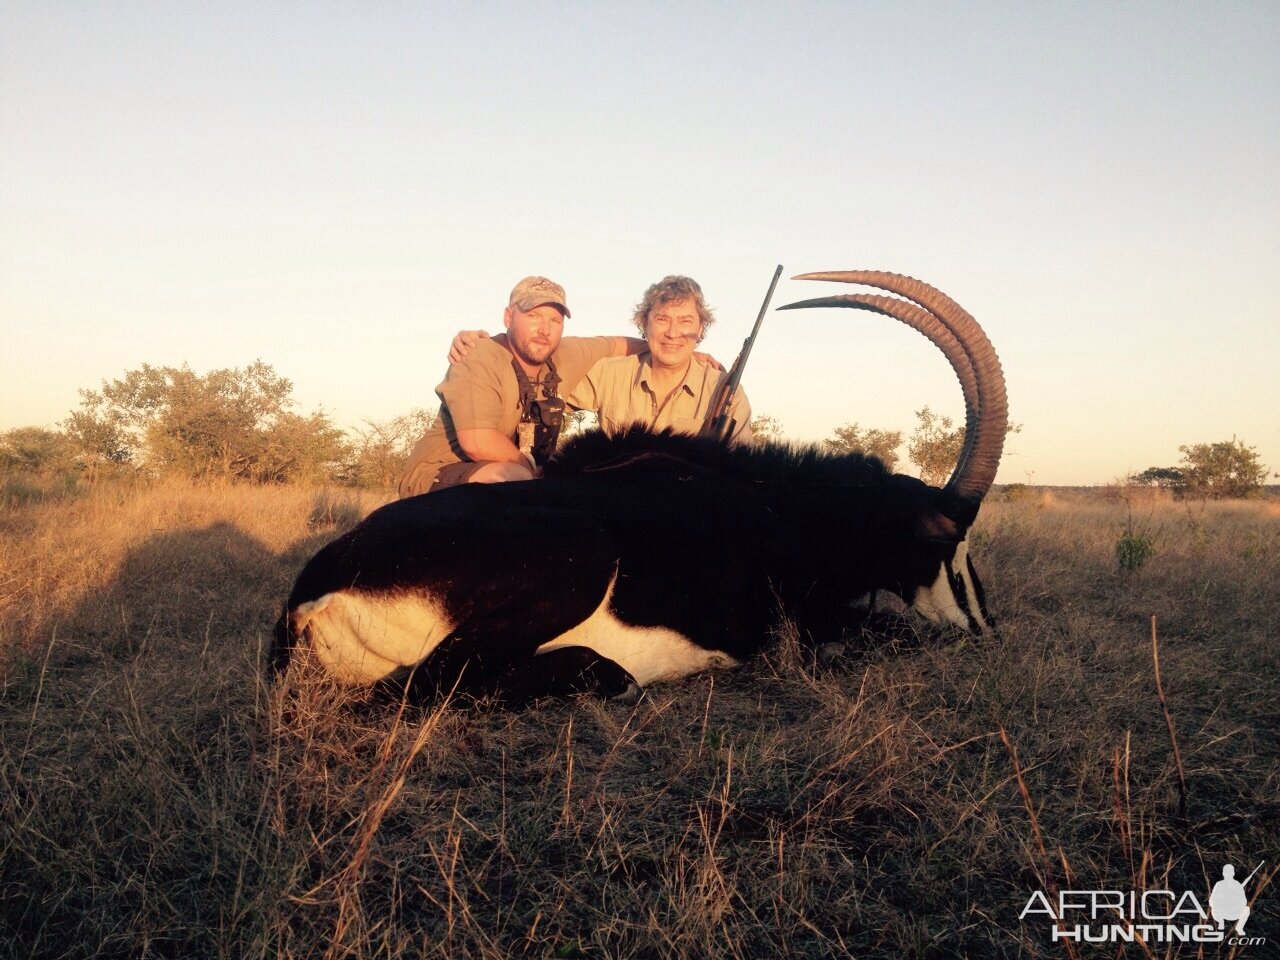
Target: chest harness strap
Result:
[[540, 416]]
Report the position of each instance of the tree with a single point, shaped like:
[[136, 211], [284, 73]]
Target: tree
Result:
[[232, 423], [1224, 469], [576, 422], [936, 445], [382, 448], [851, 438], [36, 451], [1166, 478], [99, 435], [298, 449], [766, 428]]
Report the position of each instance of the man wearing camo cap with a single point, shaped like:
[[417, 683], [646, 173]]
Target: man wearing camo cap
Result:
[[500, 405]]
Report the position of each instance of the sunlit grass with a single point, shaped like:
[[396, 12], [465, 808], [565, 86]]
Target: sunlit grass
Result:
[[157, 798]]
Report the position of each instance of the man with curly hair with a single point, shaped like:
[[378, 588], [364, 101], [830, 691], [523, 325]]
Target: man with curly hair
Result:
[[661, 388]]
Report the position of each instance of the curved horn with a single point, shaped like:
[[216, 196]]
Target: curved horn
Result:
[[917, 318], [986, 411], [920, 319]]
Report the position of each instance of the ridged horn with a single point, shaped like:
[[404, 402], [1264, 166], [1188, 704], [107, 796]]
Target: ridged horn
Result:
[[917, 318], [920, 319], [976, 366]]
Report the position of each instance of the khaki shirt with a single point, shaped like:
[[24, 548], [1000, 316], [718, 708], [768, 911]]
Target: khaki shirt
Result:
[[618, 389], [481, 392]]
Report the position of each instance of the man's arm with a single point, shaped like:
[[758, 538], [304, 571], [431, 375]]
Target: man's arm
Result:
[[618, 347], [627, 346], [472, 391], [463, 342], [484, 443], [466, 339]]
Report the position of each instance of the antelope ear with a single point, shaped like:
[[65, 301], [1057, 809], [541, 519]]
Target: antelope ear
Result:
[[933, 525]]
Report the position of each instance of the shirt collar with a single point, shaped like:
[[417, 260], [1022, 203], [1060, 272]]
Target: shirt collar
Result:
[[644, 371]]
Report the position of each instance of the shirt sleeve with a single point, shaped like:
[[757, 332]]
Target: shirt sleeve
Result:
[[586, 395], [576, 355], [472, 389]]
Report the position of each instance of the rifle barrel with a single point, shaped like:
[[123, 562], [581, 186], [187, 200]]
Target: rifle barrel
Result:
[[717, 421], [764, 308]]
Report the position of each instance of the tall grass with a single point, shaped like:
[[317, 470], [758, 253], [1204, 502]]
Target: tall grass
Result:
[[157, 799]]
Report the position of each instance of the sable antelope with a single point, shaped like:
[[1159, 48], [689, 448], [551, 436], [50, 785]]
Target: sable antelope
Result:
[[645, 557]]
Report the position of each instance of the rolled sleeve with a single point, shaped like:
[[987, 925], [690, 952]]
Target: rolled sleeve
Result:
[[577, 355], [473, 394]]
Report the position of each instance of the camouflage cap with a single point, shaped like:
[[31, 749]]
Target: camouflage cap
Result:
[[535, 291]]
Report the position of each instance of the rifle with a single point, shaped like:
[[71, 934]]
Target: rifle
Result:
[[1250, 876], [718, 423]]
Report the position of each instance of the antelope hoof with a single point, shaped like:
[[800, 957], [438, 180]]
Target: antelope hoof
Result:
[[630, 696], [829, 653]]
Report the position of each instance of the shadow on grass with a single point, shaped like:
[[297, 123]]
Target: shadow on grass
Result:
[[136, 766]]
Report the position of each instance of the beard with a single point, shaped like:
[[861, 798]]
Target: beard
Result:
[[532, 350]]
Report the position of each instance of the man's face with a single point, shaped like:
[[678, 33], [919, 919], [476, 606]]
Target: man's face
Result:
[[673, 330], [534, 334]]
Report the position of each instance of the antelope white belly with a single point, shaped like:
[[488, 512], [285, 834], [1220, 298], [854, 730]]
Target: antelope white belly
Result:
[[361, 638], [647, 653]]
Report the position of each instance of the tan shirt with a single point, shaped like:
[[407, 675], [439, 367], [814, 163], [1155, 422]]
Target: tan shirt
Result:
[[619, 390], [481, 392]]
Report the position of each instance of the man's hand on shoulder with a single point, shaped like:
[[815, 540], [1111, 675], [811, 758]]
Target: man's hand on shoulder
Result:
[[707, 360], [463, 342]]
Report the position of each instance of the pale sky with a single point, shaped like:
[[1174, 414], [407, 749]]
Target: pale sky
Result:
[[337, 188]]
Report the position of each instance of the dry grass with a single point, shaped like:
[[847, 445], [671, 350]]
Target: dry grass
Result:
[[157, 800]]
